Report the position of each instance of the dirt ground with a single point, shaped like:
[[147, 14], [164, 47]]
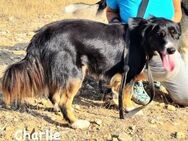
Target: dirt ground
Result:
[[161, 120]]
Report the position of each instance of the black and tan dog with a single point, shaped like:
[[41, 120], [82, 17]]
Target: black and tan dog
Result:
[[62, 53]]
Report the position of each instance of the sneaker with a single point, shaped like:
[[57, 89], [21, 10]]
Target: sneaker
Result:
[[157, 85], [140, 96]]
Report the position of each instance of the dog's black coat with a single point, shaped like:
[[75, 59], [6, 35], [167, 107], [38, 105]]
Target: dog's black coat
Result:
[[58, 51], [64, 47]]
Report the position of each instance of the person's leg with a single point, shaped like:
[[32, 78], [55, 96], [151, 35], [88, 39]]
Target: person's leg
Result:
[[178, 85], [176, 82]]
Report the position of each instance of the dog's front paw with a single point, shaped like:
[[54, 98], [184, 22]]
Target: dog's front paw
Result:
[[129, 109], [80, 124]]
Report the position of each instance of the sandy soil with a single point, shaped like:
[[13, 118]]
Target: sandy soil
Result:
[[161, 120]]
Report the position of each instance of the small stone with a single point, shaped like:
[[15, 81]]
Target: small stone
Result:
[[19, 39], [124, 137], [43, 102], [30, 33], [179, 135], [171, 108], [53, 118], [58, 113], [19, 52], [47, 16], [98, 121], [15, 119], [152, 121], [162, 105], [3, 32], [132, 127], [114, 139], [109, 137], [89, 86], [11, 19], [77, 107]]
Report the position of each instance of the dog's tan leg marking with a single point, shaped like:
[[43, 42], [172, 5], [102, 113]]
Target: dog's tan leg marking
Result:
[[66, 103], [127, 98], [56, 96], [128, 104], [127, 92], [140, 77], [114, 85]]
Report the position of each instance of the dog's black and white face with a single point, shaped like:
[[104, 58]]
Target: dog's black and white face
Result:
[[158, 34]]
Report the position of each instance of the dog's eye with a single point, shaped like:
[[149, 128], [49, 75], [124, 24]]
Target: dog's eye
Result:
[[161, 33], [172, 31]]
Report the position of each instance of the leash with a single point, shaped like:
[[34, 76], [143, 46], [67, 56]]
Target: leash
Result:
[[141, 12], [123, 83], [125, 69]]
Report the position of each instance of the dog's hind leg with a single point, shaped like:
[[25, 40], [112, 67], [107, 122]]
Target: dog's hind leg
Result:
[[67, 96], [55, 98], [65, 104]]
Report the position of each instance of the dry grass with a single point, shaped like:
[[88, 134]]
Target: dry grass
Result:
[[20, 17], [33, 8]]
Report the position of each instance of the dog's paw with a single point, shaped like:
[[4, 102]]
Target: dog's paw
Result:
[[129, 109], [80, 124]]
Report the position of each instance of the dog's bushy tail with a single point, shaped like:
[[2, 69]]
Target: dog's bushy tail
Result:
[[22, 79], [72, 8]]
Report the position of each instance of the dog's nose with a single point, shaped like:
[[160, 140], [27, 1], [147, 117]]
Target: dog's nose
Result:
[[171, 50]]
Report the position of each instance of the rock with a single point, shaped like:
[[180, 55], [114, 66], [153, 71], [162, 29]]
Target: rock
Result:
[[47, 16], [58, 113], [114, 139], [162, 105], [16, 120], [132, 127], [80, 124], [19, 39], [3, 32], [115, 134], [43, 102], [11, 19], [30, 33], [109, 137], [19, 52], [179, 135], [98, 122], [171, 108], [53, 118], [152, 121], [124, 137], [77, 107], [89, 86]]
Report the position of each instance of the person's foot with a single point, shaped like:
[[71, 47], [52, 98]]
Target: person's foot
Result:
[[140, 96]]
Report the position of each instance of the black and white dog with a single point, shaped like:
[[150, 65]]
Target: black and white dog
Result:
[[62, 53]]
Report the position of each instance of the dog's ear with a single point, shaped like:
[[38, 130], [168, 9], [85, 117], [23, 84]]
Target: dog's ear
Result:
[[135, 22]]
